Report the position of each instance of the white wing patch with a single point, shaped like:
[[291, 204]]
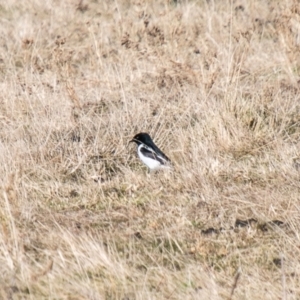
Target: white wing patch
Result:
[[155, 162]]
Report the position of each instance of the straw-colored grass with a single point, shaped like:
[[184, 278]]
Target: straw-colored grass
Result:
[[215, 83]]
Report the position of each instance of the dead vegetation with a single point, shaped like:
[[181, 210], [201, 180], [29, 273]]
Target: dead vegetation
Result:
[[215, 83]]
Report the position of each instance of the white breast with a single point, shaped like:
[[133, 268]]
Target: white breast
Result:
[[149, 162]]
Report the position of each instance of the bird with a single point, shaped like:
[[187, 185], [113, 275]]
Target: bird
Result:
[[149, 153]]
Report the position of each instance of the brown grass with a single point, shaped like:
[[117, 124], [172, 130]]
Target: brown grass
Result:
[[215, 83]]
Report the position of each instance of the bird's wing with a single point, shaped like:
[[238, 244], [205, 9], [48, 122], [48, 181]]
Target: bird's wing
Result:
[[151, 153], [161, 154]]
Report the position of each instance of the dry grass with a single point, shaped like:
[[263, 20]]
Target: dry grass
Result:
[[215, 83]]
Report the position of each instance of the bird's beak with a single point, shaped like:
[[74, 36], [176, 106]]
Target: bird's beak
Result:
[[130, 142], [133, 140]]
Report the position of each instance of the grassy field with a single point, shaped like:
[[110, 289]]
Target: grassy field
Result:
[[215, 83]]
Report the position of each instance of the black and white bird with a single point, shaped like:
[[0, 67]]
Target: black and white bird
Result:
[[149, 153]]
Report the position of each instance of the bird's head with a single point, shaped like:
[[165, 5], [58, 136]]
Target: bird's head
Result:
[[142, 138]]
